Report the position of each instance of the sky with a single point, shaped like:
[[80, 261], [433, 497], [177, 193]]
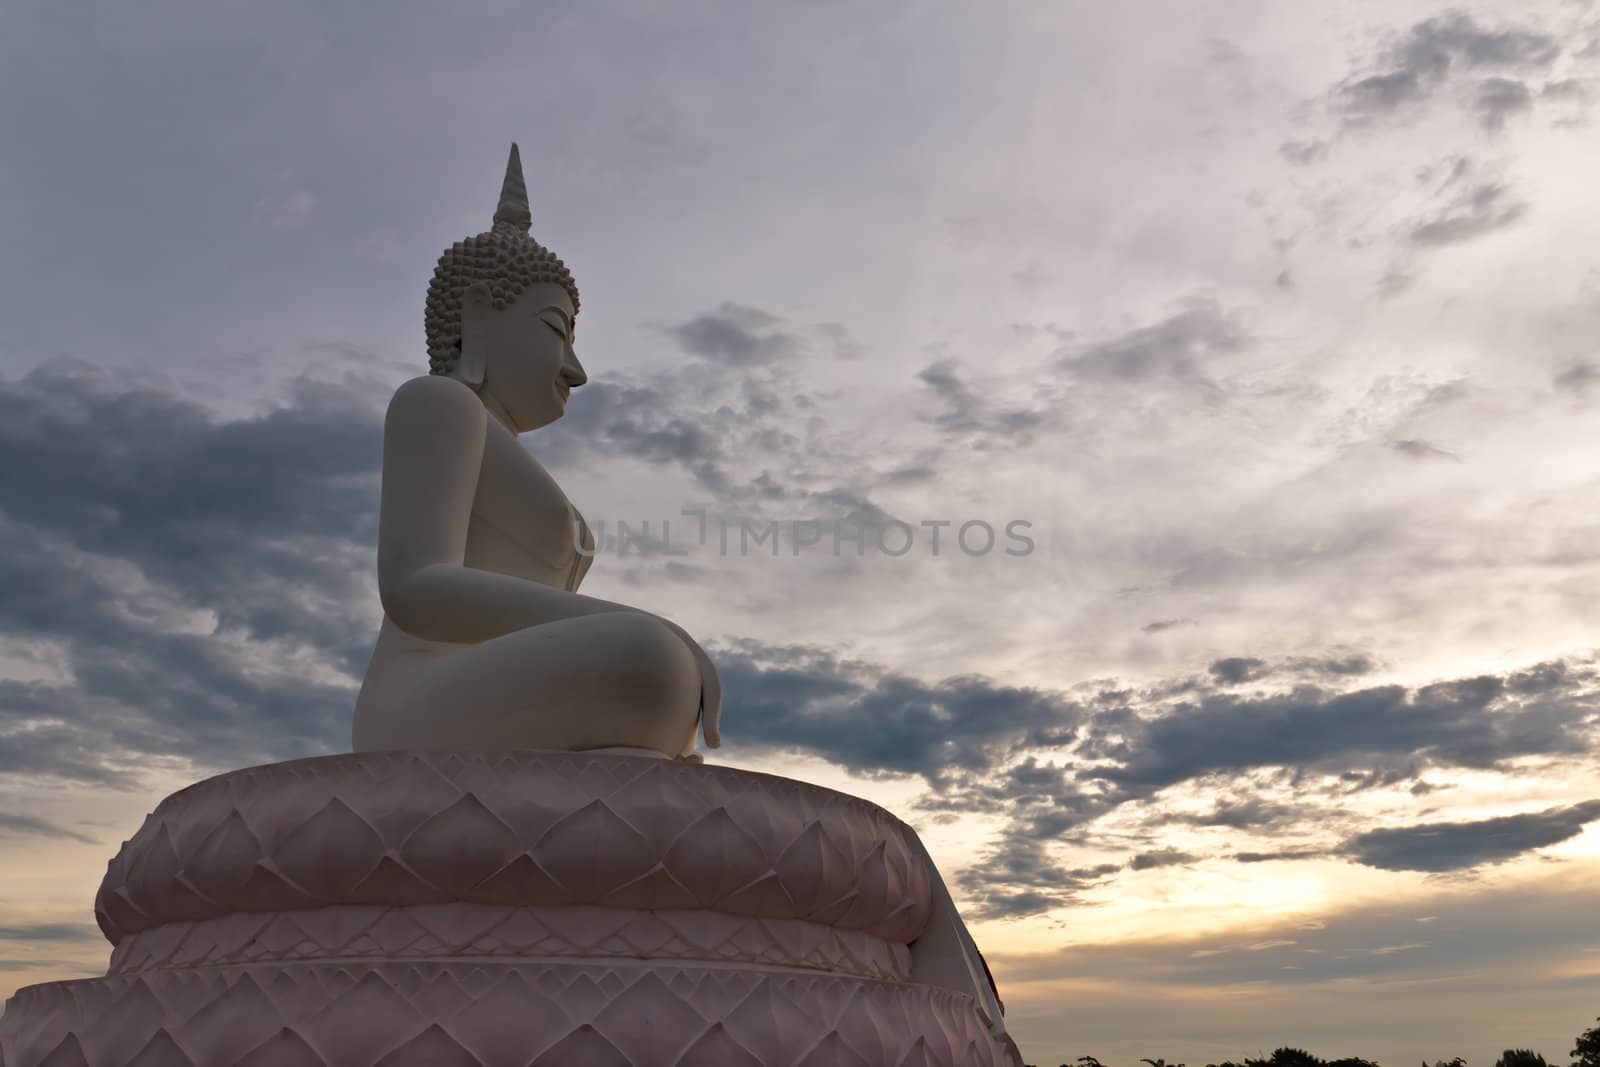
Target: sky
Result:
[[1258, 338]]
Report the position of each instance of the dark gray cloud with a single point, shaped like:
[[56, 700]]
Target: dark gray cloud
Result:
[[1472, 722], [735, 335], [1161, 857], [1281, 854], [260, 519], [1176, 350], [1542, 678], [1161, 625], [1236, 669], [982, 423], [1339, 666], [1478, 209], [1495, 99], [1425, 60], [1568, 88], [1017, 878], [30, 826], [1250, 813], [1415, 448], [1454, 846], [1318, 743], [166, 554], [1578, 378], [868, 719], [50, 932], [609, 419], [738, 422]]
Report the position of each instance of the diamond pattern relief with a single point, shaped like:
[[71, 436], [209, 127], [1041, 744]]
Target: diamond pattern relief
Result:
[[532, 828], [526, 909], [481, 931], [476, 1015]]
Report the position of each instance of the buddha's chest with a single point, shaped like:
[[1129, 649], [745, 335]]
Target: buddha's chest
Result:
[[522, 523]]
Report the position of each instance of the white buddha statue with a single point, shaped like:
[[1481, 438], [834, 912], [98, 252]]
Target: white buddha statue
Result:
[[486, 643]]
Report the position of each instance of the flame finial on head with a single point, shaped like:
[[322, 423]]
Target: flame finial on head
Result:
[[512, 211]]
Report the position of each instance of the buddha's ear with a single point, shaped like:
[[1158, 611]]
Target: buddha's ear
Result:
[[476, 303]]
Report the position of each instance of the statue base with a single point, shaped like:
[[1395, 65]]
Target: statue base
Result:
[[535, 908]]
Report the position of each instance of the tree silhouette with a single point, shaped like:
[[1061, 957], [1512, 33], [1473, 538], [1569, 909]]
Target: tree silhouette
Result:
[[1587, 1051], [1520, 1057], [1293, 1057]]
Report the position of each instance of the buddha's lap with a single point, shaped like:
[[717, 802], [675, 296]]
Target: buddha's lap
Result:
[[592, 681]]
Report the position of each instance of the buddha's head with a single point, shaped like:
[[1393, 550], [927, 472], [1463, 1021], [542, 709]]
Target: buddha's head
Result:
[[501, 312]]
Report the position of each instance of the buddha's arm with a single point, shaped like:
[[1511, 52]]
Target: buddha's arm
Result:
[[433, 442], [451, 602]]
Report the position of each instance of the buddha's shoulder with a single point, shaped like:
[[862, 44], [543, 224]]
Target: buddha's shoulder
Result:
[[432, 397]]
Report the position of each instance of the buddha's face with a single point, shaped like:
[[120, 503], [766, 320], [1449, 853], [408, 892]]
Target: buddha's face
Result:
[[525, 348]]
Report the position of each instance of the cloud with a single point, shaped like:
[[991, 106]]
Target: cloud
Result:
[[1157, 626], [1510, 932], [1578, 377], [1338, 666], [1422, 62], [740, 422], [1176, 350], [1497, 98], [206, 583], [1453, 846], [1310, 741], [1541, 678], [971, 415], [1303, 153], [1280, 854], [1165, 857], [1469, 722], [1236, 669], [871, 720], [642, 421], [50, 932], [1250, 813], [1480, 209], [1418, 449], [28, 825], [1568, 88], [735, 335], [1017, 879]]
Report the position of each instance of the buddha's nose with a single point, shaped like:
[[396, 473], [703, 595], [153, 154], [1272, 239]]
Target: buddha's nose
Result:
[[572, 371]]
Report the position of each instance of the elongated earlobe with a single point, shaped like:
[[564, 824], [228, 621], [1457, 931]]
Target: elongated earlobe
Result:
[[469, 368], [476, 302]]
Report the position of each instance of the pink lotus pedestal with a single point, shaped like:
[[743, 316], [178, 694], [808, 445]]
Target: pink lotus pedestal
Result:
[[539, 908]]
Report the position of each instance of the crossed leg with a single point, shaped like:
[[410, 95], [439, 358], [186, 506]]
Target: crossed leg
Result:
[[594, 681]]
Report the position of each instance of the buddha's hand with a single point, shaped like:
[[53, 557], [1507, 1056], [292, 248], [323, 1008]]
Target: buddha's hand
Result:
[[710, 699], [710, 689]]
